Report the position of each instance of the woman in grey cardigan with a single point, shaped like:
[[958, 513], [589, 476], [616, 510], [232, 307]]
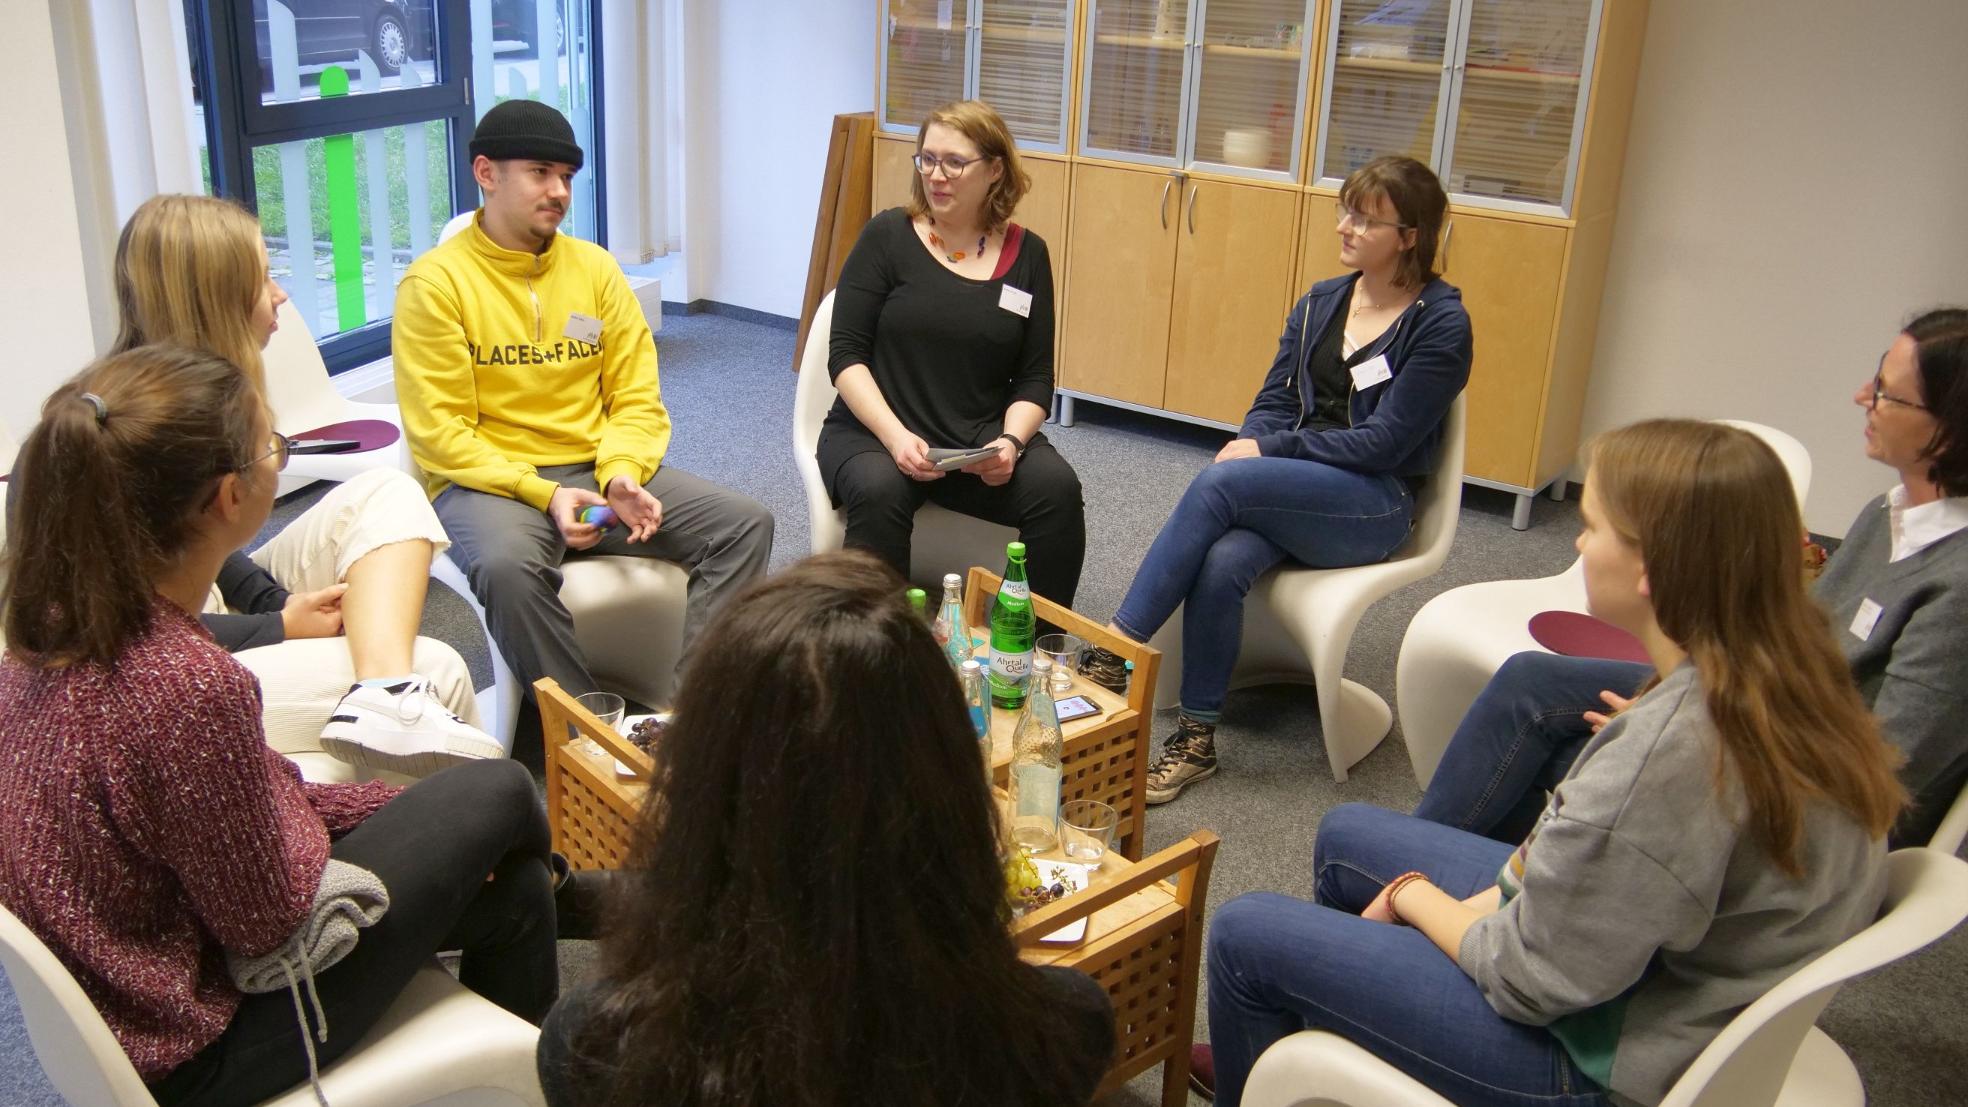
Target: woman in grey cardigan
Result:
[[1709, 841]]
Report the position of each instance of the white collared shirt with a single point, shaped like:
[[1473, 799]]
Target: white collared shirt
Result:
[[1915, 528]]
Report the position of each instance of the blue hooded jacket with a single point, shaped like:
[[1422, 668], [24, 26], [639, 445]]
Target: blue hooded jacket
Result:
[[1397, 425]]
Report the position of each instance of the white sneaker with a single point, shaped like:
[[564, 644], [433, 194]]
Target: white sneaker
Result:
[[402, 728]]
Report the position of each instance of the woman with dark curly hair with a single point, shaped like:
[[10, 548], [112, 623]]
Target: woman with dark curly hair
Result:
[[815, 914]]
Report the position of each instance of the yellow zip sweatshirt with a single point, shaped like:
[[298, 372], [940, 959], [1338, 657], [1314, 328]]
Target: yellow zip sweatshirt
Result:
[[492, 385]]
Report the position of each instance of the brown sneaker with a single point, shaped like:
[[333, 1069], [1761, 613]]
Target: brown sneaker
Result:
[[1105, 668], [1188, 756]]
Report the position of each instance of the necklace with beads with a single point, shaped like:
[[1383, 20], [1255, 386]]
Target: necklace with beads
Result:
[[936, 240]]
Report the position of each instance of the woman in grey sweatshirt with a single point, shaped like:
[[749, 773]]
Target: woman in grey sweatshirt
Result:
[[1710, 841]]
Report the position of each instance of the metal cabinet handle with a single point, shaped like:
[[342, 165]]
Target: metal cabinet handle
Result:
[[1163, 207], [1447, 233], [1193, 189]]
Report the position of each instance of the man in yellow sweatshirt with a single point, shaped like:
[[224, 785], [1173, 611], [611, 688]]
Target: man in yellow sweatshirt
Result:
[[527, 378]]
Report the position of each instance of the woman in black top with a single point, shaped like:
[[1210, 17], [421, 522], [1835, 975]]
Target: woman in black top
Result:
[[942, 338], [814, 913]]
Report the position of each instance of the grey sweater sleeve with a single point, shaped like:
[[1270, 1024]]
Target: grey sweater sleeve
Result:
[[1600, 890], [1908, 663]]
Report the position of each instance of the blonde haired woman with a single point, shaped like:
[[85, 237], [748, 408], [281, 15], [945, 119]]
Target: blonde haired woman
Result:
[[942, 338], [1717, 835], [325, 613]]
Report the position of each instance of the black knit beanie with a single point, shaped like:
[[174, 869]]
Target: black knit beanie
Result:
[[526, 129]]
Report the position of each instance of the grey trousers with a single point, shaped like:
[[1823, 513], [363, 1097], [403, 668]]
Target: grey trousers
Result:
[[512, 554]]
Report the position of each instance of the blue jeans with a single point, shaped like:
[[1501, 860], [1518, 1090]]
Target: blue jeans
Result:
[[1519, 739], [1238, 519], [1278, 965]]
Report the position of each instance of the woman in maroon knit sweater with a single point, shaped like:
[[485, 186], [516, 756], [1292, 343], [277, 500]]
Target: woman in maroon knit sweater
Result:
[[146, 829]]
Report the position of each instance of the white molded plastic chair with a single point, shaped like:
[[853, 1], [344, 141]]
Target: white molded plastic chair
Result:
[[437, 1044], [1459, 639], [1954, 826], [304, 400], [1770, 1055], [1299, 622], [945, 541]]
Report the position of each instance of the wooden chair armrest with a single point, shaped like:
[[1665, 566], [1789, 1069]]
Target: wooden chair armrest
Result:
[[1196, 851], [558, 711]]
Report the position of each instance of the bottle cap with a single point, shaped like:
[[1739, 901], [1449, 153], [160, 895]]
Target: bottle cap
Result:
[[950, 579], [1015, 551], [1042, 664], [1128, 665], [972, 663]]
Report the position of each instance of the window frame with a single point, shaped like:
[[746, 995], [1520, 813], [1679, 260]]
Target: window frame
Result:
[[225, 56]]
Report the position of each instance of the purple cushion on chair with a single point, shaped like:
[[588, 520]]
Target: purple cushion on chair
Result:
[[374, 434], [1576, 634]]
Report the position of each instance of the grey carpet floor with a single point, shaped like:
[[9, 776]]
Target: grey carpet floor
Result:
[[730, 392]]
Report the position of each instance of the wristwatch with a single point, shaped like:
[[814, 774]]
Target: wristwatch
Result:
[[1015, 441]]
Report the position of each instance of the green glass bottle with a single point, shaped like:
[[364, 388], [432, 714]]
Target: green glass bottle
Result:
[[1013, 629]]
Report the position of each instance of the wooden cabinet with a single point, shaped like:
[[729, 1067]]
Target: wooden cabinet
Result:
[[1508, 272], [1233, 286], [1121, 269], [1179, 289], [1016, 54], [1241, 117]]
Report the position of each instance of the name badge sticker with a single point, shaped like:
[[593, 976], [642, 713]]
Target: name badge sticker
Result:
[[1865, 620], [1371, 372], [583, 328], [1016, 300]]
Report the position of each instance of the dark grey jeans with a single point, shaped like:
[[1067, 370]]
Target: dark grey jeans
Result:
[[512, 555]]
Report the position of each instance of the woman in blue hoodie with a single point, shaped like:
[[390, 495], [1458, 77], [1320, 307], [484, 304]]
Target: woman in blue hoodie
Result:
[[1325, 469]]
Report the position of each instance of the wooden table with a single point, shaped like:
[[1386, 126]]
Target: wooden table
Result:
[[1143, 944]]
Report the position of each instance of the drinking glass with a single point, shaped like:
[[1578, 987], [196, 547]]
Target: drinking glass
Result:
[[1065, 650], [609, 708], [1087, 827]]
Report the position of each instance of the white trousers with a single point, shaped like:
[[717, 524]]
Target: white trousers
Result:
[[302, 679]]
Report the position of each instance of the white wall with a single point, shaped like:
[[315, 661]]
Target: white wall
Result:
[[44, 303], [763, 80], [1796, 183]]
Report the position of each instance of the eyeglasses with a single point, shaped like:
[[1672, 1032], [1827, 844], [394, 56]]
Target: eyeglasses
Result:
[[952, 168], [277, 447], [1879, 393], [1361, 223]]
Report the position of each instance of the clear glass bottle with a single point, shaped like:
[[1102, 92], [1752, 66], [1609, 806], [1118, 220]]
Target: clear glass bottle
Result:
[[1036, 752], [951, 633], [1013, 629], [977, 696]]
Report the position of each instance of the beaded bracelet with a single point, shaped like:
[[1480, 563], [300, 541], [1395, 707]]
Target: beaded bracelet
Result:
[[1394, 889]]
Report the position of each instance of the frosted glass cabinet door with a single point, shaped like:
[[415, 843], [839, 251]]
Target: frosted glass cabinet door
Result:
[[1250, 92], [1022, 51], [1137, 68], [924, 60], [1387, 83], [1518, 104]]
